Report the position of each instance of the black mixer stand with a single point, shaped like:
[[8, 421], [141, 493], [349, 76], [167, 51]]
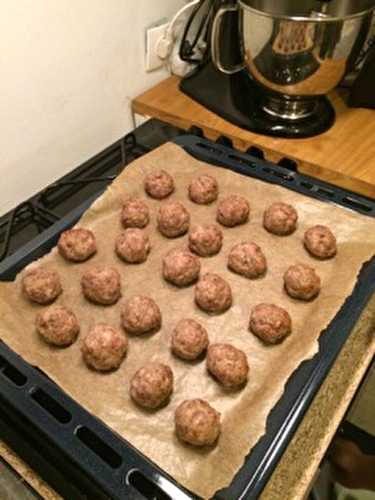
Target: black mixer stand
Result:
[[238, 99]]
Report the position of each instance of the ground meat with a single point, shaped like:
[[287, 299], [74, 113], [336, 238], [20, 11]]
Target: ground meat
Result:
[[181, 267], [173, 219], [320, 242], [152, 385], [189, 339], [133, 246], [41, 285], [57, 325], [205, 239], [280, 219], [140, 315], [302, 282], [101, 285], [270, 323], [77, 245], [159, 184], [213, 294], [248, 260], [233, 210], [135, 213], [203, 190], [104, 347], [197, 423], [228, 365]]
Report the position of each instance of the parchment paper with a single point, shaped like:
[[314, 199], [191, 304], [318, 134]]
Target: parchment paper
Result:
[[244, 413]]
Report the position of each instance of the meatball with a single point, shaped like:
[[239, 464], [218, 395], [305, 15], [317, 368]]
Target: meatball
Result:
[[280, 219], [152, 385], [57, 325], [205, 239], [133, 246], [213, 294], [248, 260], [189, 339], [302, 282], [173, 219], [233, 211], [41, 285], [181, 267], [101, 285], [104, 347], [159, 184], [197, 423], [135, 213], [140, 315], [77, 245], [203, 190], [320, 242], [270, 323], [228, 365]]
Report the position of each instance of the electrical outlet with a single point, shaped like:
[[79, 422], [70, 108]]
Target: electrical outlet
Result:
[[153, 35]]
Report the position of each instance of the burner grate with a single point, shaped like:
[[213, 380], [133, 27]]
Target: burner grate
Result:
[[27, 215], [33, 216]]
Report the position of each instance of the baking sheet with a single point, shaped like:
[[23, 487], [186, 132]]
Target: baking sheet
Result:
[[243, 412]]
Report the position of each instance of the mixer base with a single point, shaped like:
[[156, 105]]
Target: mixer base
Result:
[[240, 101]]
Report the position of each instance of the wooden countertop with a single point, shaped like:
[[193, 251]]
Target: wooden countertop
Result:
[[345, 155]]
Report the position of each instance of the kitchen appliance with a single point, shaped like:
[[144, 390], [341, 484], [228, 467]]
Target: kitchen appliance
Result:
[[363, 90], [71, 449], [269, 64]]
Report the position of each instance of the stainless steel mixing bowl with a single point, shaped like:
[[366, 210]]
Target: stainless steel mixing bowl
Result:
[[296, 49]]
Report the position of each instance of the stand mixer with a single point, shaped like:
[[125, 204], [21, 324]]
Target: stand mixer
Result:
[[270, 63]]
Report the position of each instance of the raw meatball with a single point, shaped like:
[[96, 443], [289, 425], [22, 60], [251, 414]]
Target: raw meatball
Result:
[[159, 184], [173, 219], [133, 246], [302, 282], [228, 365], [101, 285], [57, 325], [135, 213], [270, 323], [320, 242], [203, 190], [248, 260], [77, 245], [280, 219], [140, 315], [233, 210], [205, 239], [152, 385], [197, 423], [104, 347], [213, 294], [41, 285], [181, 267], [189, 339]]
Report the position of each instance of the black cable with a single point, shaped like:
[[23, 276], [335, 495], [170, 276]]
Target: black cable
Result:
[[188, 47], [186, 29]]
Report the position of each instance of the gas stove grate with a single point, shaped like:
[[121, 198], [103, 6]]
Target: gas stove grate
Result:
[[33, 216]]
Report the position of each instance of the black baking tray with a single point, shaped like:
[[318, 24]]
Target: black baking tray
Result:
[[80, 456]]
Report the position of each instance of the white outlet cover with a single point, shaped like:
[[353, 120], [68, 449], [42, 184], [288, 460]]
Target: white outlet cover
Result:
[[153, 35]]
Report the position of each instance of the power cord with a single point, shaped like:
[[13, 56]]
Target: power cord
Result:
[[165, 45]]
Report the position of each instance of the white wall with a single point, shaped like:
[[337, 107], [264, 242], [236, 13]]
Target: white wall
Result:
[[68, 70]]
